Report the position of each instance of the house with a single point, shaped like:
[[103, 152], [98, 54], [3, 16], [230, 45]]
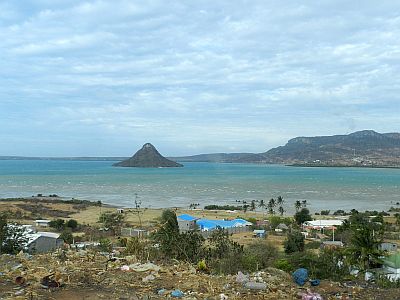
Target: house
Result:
[[120, 210], [42, 223], [207, 225], [388, 247], [259, 233], [282, 227], [186, 223], [391, 266], [41, 242], [322, 224]]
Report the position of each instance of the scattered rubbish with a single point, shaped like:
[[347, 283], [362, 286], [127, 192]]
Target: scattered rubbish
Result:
[[19, 280], [161, 292], [311, 296], [47, 282], [125, 268], [252, 285], [19, 292], [315, 282], [241, 278], [138, 267], [150, 277], [223, 297], [16, 267], [177, 294], [300, 276]]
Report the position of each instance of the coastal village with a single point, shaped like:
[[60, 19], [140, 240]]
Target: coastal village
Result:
[[87, 250]]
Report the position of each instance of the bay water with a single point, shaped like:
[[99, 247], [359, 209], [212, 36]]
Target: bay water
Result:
[[203, 183]]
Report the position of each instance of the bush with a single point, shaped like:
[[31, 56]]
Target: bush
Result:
[[73, 224], [294, 242], [58, 224], [67, 237], [259, 255], [325, 212], [284, 265], [105, 245], [302, 216], [12, 237]]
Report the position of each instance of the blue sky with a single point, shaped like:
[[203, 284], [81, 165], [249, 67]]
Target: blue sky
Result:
[[101, 78]]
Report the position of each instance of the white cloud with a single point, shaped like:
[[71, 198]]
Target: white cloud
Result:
[[196, 75]]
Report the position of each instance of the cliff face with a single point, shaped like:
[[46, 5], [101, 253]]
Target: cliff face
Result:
[[147, 157], [362, 148]]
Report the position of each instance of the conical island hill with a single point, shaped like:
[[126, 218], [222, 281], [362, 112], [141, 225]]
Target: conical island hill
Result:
[[147, 157]]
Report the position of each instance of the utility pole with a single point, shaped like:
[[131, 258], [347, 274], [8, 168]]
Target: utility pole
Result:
[[138, 203]]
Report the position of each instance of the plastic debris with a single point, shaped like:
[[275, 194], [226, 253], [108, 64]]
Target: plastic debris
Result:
[[161, 292], [177, 294], [315, 282], [19, 280], [144, 267], [125, 268], [311, 296], [150, 277], [47, 282], [252, 285], [223, 297], [241, 278], [300, 276]]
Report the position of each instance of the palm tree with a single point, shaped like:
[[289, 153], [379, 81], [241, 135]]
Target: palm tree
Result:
[[304, 203], [364, 249], [281, 210], [253, 205], [279, 200], [297, 205], [262, 206], [271, 205]]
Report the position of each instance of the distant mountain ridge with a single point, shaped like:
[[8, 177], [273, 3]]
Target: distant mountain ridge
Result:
[[361, 148], [147, 157], [365, 148]]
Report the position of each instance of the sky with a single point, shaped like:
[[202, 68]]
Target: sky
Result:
[[101, 78]]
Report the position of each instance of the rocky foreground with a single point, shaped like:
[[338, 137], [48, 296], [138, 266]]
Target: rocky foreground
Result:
[[90, 275]]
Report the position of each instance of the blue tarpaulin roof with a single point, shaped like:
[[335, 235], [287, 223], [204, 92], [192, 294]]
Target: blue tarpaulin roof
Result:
[[206, 224], [187, 217]]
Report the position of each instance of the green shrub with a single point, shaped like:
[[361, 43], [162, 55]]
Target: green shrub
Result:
[[67, 237], [284, 265], [105, 245], [294, 242]]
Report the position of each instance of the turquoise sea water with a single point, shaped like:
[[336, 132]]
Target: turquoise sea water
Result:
[[204, 183]]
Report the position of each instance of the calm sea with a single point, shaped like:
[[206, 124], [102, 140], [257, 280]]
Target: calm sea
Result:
[[204, 183]]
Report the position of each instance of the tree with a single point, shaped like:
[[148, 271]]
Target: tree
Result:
[[12, 237], [112, 221], [253, 205], [271, 205], [58, 224], [281, 210], [67, 237], [294, 242], [186, 246], [302, 216], [73, 224], [304, 203], [297, 205], [168, 234], [279, 202], [364, 247]]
